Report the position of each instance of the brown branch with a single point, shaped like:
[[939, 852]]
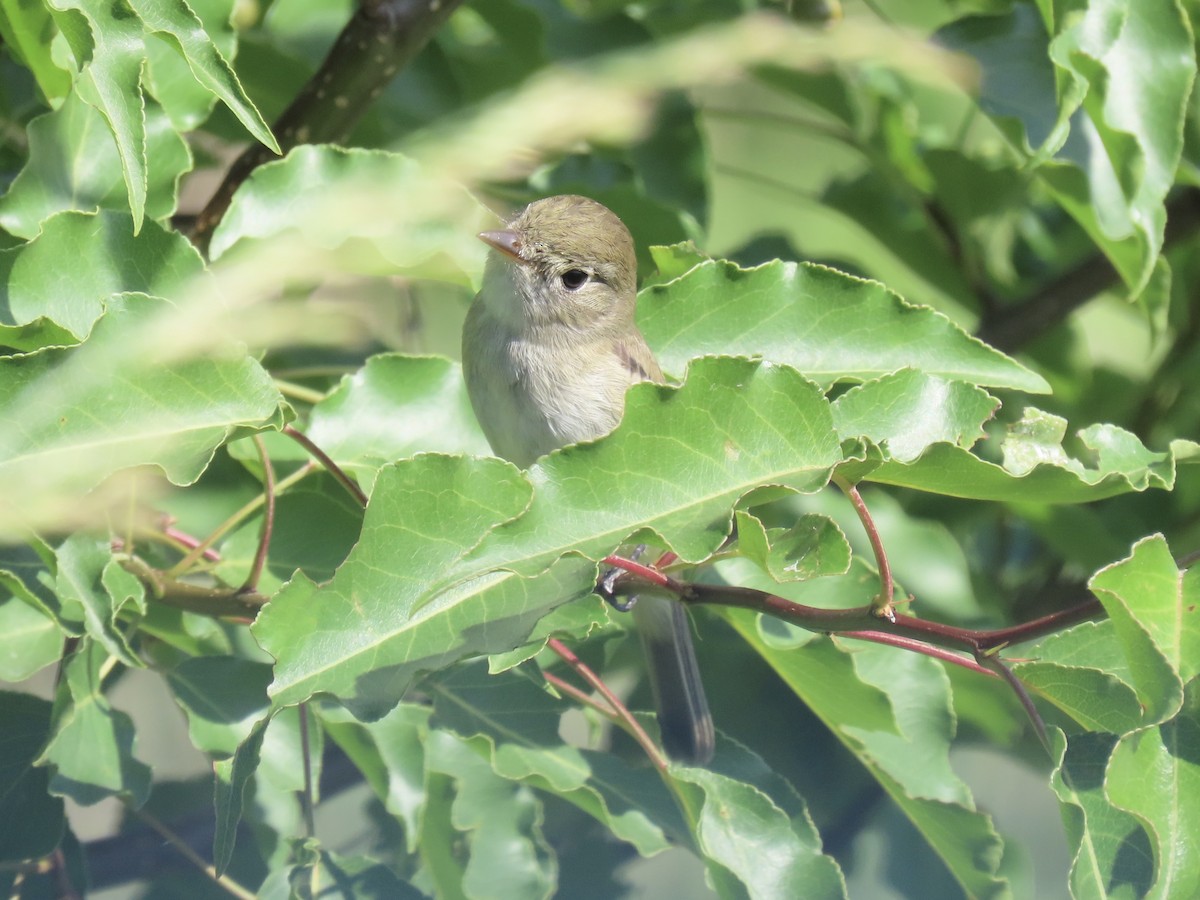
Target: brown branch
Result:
[[381, 38], [1014, 326], [219, 602]]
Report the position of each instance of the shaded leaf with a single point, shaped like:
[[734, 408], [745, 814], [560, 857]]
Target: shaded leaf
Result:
[[31, 821], [74, 165], [387, 614], [91, 744]]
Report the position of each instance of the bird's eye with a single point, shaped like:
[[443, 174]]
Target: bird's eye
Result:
[[574, 279]]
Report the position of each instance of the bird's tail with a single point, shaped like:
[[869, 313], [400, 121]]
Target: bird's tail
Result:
[[683, 717]]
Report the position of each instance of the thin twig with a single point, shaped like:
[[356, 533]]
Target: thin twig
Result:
[[882, 606], [264, 541], [620, 710], [306, 799], [997, 665], [248, 509], [380, 38], [330, 466], [193, 857], [918, 646]]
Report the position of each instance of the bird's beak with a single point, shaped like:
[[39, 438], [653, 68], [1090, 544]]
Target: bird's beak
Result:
[[507, 242]]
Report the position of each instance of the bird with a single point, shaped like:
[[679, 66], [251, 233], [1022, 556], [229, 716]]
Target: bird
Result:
[[550, 346]]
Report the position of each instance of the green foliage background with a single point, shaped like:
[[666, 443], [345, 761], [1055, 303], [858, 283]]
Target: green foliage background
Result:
[[831, 215]]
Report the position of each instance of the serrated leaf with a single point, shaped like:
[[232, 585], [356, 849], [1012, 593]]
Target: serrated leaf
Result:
[[830, 326], [386, 614], [295, 544], [509, 856], [907, 411], [1083, 672], [73, 164], [102, 250], [396, 406], [91, 744], [29, 639], [813, 547], [1155, 776], [224, 697], [31, 821], [740, 828], [176, 19], [1131, 68], [27, 29], [300, 192], [1110, 850], [571, 620], [232, 776], [1036, 470], [71, 417], [520, 722], [82, 562], [917, 775], [676, 465], [1155, 621], [110, 80]]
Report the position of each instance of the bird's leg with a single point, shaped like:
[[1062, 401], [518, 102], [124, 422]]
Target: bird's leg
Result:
[[607, 588]]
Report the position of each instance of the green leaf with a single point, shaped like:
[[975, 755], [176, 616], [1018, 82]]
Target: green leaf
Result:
[[811, 548], [82, 561], [31, 821], [71, 417], [73, 165], [1155, 776], [1131, 68], [907, 411], [386, 614], [741, 829], [29, 639], [91, 744], [675, 466], [224, 698], [1083, 672], [508, 854], [901, 737], [110, 79], [518, 721], [393, 407], [830, 326], [28, 29], [1110, 849], [1037, 468], [232, 777], [348, 877], [1154, 612], [399, 742], [307, 191], [295, 544], [176, 19], [106, 259], [575, 621]]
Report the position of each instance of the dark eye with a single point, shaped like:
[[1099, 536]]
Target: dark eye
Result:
[[574, 279]]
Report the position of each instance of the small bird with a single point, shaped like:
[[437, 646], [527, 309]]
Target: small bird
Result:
[[550, 346]]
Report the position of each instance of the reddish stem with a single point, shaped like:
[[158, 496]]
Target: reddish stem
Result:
[[620, 711]]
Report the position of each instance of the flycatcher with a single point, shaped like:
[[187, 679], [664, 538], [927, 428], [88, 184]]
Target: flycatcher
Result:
[[550, 346]]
